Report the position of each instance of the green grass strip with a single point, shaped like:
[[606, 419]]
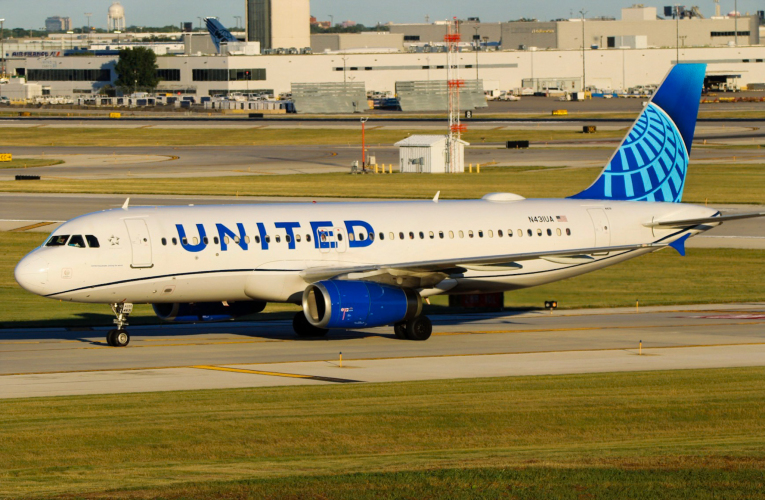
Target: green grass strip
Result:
[[636, 435]]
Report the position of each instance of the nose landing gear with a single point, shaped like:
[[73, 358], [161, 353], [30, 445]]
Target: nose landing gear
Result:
[[119, 337]]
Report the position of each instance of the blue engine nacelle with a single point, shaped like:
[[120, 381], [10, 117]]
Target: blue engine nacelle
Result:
[[358, 304], [206, 311]]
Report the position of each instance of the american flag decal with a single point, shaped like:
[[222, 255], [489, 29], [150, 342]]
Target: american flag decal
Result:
[[561, 218]]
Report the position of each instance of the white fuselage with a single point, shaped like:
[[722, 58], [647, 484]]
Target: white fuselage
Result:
[[256, 252]]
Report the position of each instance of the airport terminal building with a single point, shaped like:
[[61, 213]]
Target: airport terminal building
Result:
[[211, 75], [636, 50], [566, 34]]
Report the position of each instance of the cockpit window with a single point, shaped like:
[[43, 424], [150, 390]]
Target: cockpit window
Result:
[[76, 241], [92, 241], [57, 241]]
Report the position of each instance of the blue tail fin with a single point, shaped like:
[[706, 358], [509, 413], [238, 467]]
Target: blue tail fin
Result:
[[652, 161], [218, 33]]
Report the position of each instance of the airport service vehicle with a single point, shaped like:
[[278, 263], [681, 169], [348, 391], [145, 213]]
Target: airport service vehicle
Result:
[[363, 265]]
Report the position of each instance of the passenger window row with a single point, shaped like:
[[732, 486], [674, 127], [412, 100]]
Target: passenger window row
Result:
[[470, 234], [371, 236], [236, 240], [76, 241]]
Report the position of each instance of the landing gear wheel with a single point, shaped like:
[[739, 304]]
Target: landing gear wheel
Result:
[[419, 328], [400, 330], [118, 338], [305, 329]]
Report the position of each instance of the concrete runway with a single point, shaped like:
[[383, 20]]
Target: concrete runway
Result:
[[54, 362]]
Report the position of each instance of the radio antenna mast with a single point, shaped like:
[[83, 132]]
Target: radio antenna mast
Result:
[[454, 84]]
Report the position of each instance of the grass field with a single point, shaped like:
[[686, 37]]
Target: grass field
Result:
[[715, 183], [680, 434], [30, 163], [108, 137], [704, 276]]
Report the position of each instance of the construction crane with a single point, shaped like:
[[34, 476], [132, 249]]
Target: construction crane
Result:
[[695, 12]]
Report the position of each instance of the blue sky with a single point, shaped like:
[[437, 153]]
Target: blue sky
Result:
[[162, 12]]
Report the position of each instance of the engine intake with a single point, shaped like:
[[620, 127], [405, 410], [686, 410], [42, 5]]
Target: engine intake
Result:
[[206, 311], [358, 304]]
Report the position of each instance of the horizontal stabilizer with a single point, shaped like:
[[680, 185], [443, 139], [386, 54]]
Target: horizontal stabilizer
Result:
[[679, 244], [703, 220]]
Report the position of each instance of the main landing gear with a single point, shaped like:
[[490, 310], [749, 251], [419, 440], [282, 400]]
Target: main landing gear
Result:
[[119, 337], [305, 329], [418, 328]]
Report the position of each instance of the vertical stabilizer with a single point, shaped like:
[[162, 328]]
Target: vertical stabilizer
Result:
[[652, 162], [218, 32]]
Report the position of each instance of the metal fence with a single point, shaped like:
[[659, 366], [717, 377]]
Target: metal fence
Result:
[[433, 95], [329, 97]]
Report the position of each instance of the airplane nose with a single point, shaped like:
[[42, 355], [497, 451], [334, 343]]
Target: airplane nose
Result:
[[32, 274]]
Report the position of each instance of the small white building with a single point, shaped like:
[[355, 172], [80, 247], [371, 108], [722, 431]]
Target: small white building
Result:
[[428, 154], [17, 89]]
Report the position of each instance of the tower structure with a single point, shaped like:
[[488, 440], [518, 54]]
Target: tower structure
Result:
[[278, 24], [115, 19], [454, 84]]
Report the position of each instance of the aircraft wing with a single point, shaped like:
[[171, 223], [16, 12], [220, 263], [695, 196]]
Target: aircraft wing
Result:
[[447, 266], [704, 220]]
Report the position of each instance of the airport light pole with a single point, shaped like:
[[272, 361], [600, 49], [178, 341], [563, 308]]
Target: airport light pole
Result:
[[532, 59], [584, 65], [2, 43], [88, 14], [477, 48], [677, 33], [363, 143]]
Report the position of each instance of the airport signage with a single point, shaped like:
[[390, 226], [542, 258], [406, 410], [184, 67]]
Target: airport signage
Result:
[[41, 53]]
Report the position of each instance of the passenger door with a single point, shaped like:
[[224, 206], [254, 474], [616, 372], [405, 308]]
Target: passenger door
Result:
[[140, 243]]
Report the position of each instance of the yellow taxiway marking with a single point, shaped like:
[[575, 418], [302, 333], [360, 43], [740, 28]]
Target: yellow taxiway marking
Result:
[[31, 226], [274, 374], [586, 328], [460, 355]]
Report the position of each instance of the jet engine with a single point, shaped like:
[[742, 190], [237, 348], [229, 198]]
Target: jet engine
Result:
[[206, 311], [358, 304]]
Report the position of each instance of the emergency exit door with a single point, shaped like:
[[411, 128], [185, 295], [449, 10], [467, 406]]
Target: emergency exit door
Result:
[[140, 243]]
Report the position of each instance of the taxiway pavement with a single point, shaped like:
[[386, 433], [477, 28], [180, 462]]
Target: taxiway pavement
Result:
[[53, 362]]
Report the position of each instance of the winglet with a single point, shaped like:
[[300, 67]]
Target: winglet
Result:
[[126, 204], [435, 198], [679, 244]]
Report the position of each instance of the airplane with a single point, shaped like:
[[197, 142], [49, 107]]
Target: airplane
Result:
[[371, 264], [218, 32]]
